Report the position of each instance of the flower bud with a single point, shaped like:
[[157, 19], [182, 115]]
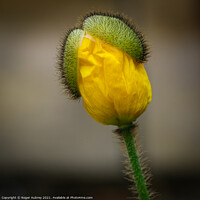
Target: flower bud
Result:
[[101, 61]]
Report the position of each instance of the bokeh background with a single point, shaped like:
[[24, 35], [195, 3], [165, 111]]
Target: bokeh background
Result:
[[49, 145]]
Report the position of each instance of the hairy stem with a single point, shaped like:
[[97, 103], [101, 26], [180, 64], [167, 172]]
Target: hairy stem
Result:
[[126, 132]]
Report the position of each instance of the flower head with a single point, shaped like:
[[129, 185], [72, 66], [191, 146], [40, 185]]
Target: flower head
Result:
[[103, 64]]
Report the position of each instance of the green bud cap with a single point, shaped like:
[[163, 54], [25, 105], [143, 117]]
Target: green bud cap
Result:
[[114, 29], [118, 31], [69, 62]]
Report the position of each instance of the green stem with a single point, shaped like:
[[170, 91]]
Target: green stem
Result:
[[135, 164]]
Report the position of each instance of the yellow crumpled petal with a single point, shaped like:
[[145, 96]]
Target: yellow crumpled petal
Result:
[[115, 88]]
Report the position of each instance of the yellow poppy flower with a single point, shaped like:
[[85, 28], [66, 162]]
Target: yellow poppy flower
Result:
[[114, 87], [101, 61]]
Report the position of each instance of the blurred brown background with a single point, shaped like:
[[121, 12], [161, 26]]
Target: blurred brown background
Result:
[[49, 145]]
